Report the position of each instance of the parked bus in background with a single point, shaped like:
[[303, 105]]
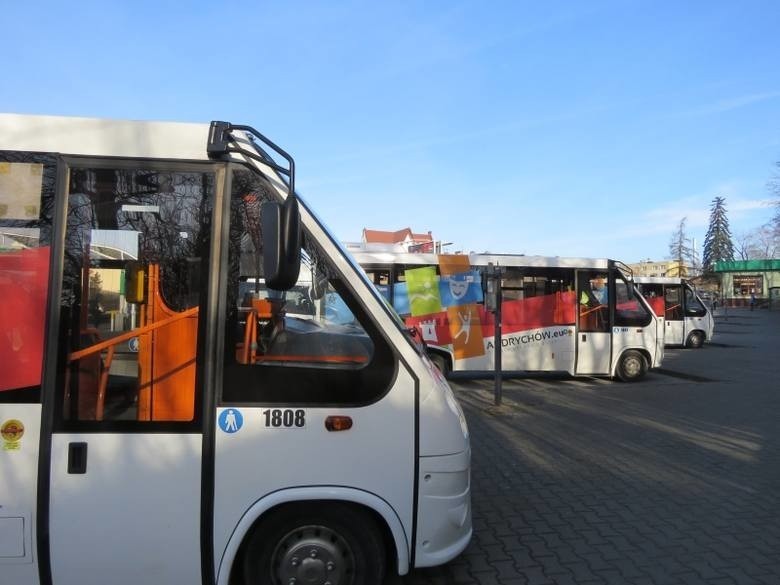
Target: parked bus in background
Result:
[[689, 322], [176, 404], [575, 315]]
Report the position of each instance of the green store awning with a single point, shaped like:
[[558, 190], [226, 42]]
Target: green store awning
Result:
[[747, 265]]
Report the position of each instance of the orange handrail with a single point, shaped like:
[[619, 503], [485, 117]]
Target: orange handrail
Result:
[[327, 359], [110, 345], [596, 308], [130, 334]]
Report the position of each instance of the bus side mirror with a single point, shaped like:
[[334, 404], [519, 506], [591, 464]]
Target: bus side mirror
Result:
[[281, 233], [135, 283]]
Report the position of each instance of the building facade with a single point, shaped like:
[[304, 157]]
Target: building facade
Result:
[[661, 268], [742, 279], [404, 240]]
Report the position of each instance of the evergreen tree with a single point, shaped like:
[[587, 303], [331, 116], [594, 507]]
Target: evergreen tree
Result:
[[717, 243]]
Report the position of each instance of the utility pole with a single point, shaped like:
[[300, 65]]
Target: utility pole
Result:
[[493, 303]]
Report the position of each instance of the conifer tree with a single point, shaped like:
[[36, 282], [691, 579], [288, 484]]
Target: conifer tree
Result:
[[717, 243]]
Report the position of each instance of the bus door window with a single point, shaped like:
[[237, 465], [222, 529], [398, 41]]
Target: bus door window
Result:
[[136, 241], [593, 301], [673, 302], [313, 344]]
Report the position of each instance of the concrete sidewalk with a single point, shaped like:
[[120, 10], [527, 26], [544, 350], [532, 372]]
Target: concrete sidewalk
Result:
[[674, 480]]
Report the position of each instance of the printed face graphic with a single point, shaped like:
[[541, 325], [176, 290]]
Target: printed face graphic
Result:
[[458, 288]]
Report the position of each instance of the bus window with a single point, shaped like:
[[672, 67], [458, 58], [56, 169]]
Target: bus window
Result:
[[629, 312], [673, 301], [26, 204], [654, 294], [381, 280], [277, 353], [131, 354], [537, 297], [693, 306]]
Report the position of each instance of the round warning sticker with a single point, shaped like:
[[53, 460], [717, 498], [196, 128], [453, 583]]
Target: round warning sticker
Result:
[[11, 431]]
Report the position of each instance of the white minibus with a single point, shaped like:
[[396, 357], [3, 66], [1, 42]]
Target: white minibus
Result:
[[162, 419], [576, 315], [689, 322]]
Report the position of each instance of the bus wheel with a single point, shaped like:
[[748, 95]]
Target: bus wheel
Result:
[[331, 543], [695, 340], [632, 366], [441, 363]]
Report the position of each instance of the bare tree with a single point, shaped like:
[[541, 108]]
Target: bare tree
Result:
[[766, 243], [758, 244], [681, 249], [743, 246], [774, 187]]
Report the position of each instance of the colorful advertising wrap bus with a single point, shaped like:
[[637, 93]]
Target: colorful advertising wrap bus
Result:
[[576, 315], [689, 322], [179, 402]]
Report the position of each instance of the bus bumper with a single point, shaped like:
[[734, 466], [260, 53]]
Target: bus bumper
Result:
[[444, 519]]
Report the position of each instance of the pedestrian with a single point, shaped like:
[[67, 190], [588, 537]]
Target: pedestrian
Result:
[[752, 301]]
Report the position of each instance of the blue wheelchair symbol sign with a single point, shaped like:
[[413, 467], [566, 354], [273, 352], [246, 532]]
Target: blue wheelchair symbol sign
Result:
[[231, 420]]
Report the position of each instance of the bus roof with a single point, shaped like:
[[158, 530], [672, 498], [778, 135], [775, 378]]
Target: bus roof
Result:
[[103, 137], [659, 279], [369, 258]]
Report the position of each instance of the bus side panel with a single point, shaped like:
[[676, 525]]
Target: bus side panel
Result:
[[537, 334], [641, 338], [19, 440], [132, 517], [257, 457]]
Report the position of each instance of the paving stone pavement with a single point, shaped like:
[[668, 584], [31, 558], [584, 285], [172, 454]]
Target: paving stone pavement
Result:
[[671, 480]]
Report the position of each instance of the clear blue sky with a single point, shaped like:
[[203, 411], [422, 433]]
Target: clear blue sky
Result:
[[555, 128]]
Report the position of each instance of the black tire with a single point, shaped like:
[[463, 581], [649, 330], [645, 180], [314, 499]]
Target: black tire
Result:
[[315, 543], [632, 366], [441, 362], [695, 340]]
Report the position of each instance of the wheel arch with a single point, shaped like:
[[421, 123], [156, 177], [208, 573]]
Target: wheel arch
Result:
[[388, 521]]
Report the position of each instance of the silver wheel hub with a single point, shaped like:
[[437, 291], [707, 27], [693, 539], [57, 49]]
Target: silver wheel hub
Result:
[[633, 366], [313, 555]]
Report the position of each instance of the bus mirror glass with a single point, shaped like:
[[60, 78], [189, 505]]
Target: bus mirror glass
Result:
[[281, 232], [135, 283]]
